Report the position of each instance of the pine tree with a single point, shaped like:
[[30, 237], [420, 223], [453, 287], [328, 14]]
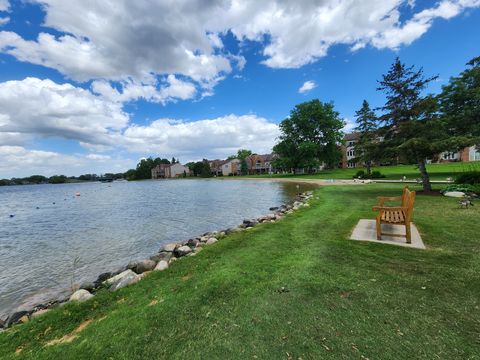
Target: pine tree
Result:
[[412, 127], [366, 128]]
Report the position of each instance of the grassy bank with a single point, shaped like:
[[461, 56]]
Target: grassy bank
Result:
[[436, 171], [294, 289]]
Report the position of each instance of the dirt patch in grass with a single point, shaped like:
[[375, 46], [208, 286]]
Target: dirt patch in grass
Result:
[[70, 336]]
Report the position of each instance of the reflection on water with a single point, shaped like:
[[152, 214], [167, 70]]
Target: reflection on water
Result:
[[56, 238]]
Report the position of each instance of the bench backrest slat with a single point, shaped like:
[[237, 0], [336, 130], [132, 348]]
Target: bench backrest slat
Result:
[[408, 199]]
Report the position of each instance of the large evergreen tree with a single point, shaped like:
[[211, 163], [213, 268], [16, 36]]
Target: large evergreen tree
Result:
[[310, 135], [366, 144], [412, 127], [460, 105]]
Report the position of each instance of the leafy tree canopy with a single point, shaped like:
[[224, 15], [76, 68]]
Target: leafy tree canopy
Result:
[[310, 135]]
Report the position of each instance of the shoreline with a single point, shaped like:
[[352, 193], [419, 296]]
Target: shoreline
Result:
[[134, 271], [318, 182]]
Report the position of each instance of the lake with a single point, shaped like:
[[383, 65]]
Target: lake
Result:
[[56, 239]]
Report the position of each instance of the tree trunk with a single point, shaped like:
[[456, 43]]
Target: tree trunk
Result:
[[369, 167], [427, 187]]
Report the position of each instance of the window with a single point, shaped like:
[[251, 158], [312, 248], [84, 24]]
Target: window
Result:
[[449, 156]]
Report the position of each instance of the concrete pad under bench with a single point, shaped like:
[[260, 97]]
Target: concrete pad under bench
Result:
[[366, 231]]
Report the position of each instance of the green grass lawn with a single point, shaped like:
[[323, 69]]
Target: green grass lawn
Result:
[[436, 171], [341, 299]]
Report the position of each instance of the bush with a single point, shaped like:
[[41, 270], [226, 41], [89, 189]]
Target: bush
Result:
[[376, 175], [466, 188], [469, 177], [360, 174]]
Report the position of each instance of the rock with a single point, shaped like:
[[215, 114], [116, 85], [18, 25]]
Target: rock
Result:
[[102, 277], [141, 266], [173, 259], [89, 286], [165, 256], [183, 250], [17, 317], [169, 247], [193, 242], [211, 241], [222, 234], [199, 245], [162, 265], [80, 295], [204, 238], [273, 208], [123, 279], [249, 223], [455, 194], [39, 313], [142, 275], [118, 277]]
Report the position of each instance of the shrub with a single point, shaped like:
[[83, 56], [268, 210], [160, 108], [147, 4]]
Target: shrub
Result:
[[466, 188], [469, 177], [360, 174], [376, 175]]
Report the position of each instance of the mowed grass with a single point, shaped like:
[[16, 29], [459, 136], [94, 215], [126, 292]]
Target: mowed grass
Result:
[[294, 289], [436, 172]]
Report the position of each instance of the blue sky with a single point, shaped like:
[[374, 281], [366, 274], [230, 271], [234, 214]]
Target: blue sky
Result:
[[90, 86]]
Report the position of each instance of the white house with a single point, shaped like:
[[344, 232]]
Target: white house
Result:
[[176, 170], [231, 167]]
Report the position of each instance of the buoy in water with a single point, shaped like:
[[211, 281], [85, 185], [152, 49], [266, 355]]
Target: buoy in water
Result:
[[77, 194], [11, 215]]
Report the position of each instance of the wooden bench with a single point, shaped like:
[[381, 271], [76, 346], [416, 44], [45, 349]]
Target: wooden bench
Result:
[[396, 215]]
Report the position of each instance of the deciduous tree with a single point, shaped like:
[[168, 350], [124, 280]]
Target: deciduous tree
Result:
[[309, 136]]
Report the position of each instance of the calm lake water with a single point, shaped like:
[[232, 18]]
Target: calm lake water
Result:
[[55, 237]]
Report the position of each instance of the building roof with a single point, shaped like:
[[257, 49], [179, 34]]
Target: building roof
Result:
[[351, 136]]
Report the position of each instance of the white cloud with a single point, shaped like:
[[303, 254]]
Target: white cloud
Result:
[[33, 108], [350, 125], [42, 108], [4, 20], [144, 39], [307, 86], [172, 89], [18, 161], [213, 138], [4, 5], [420, 23], [98, 157]]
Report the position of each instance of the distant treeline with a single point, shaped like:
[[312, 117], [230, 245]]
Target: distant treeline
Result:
[[59, 179]]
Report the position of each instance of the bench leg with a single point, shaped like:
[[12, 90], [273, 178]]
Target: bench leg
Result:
[[408, 233], [379, 230]]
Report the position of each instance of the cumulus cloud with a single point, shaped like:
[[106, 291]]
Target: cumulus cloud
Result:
[[307, 86], [170, 90], [142, 39], [4, 5], [218, 137], [20, 162], [35, 107]]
